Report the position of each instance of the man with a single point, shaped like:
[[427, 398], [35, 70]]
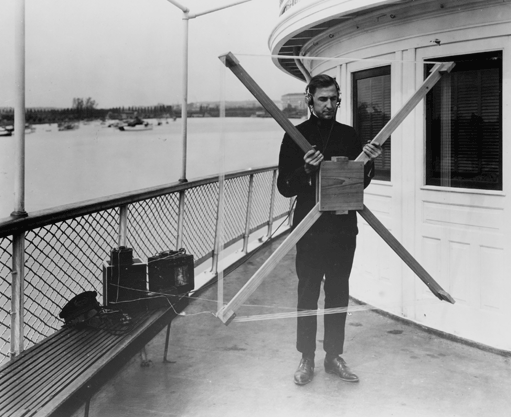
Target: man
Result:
[[327, 249]]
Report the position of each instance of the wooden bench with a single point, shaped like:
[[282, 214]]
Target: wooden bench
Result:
[[61, 373]]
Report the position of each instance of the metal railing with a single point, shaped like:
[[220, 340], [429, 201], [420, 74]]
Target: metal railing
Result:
[[60, 252]]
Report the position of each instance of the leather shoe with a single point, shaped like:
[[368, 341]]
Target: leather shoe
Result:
[[305, 371], [337, 366]]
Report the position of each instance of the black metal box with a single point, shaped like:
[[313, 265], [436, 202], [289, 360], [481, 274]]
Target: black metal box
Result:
[[171, 269], [121, 256], [123, 283]]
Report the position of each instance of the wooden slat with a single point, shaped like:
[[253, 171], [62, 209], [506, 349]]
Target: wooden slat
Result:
[[233, 64], [24, 360], [25, 389], [387, 130], [227, 314], [90, 371], [50, 372], [74, 372], [105, 351], [42, 382], [27, 379], [379, 228], [37, 353]]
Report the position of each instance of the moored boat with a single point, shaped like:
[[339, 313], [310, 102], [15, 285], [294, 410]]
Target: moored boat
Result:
[[67, 126], [138, 128], [9, 129], [135, 125]]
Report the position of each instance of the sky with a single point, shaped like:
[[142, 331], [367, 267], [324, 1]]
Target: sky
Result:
[[130, 52]]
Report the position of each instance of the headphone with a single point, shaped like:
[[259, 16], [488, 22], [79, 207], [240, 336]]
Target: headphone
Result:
[[309, 100]]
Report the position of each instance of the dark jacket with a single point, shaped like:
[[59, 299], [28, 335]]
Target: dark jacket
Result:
[[331, 139]]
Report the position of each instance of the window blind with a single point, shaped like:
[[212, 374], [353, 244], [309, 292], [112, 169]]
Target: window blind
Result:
[[372, 112], [463, 125]]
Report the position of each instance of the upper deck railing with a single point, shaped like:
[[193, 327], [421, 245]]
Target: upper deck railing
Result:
[[62, 249]]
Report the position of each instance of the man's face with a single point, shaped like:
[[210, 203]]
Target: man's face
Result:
[[325, 102]]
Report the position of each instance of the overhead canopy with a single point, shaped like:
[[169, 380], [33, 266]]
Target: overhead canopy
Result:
[[313, 21]]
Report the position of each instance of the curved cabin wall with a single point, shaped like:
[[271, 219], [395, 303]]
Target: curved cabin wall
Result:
[[461, 236]]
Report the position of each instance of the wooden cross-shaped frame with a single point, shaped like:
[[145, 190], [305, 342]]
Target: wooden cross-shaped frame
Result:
[[340, 187]]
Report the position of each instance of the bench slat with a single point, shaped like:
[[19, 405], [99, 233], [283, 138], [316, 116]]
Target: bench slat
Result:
[[47, 374], [87, 374], [69, 337]]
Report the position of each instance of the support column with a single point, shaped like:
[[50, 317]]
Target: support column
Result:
[[180, 220], [19, 111], [17, 294], [123, 225], [184, 105], [249, 214]]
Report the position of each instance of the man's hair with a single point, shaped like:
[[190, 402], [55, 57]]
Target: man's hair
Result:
[[321, 81]]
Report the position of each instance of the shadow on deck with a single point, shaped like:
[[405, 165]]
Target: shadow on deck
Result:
[[246, 369]]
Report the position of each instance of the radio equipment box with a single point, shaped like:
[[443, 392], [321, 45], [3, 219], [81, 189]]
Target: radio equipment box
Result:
[[124, 278], [171, 269], [121, 256]]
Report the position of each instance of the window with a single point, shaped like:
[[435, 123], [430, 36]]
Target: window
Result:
[[464, 124], [371, 104]]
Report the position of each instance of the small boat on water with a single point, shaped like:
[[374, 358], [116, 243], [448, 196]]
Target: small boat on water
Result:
[[138, 128], [9, 129], [115, 124], [67, 126], [135, 125]]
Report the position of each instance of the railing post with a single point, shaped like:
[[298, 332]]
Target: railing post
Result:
[[18, 294], [218, 227], [291, 213], [272, 206], [249, 213], [184, 105], [123, 225], [19, 111], [180, 220]]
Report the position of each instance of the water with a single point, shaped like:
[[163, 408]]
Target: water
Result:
[[94, 161]]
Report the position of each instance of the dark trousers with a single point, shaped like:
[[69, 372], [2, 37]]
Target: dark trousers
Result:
[[319, 256]]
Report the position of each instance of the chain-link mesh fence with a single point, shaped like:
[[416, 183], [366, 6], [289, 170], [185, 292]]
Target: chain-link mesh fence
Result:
[[61, 260], [152, 225], [199, 221], [65, 257]]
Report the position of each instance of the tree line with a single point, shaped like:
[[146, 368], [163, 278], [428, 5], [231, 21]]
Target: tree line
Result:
[[85, 109]]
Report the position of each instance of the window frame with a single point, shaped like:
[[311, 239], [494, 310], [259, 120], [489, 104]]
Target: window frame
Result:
[[362, 74], [461, 60]]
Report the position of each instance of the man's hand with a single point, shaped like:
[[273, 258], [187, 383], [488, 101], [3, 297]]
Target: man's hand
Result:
[[372, 150], [313, 159]]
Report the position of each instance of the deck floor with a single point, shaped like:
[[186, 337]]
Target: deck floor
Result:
[[246, 369]]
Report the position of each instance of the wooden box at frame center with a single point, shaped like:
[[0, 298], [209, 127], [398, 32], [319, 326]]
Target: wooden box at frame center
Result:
[[341, 185]]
